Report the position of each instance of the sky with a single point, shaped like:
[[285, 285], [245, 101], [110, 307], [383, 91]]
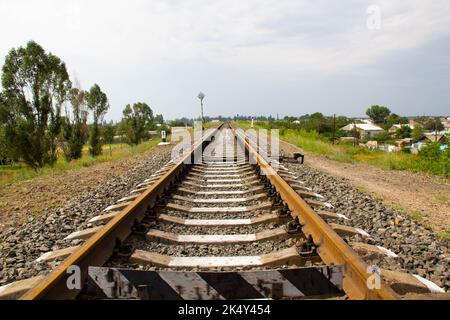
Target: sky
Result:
[[252, 57]]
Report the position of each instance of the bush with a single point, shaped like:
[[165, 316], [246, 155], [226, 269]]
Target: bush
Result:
[[431, 151]]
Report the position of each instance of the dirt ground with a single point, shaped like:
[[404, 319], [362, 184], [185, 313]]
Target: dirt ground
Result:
[[424, 197], [22, 200]]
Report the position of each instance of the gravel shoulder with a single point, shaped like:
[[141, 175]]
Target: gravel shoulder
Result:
[[368, 196], [424, 197]]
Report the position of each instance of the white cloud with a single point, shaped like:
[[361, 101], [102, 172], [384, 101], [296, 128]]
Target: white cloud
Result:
[[298, 36], [120, 43]]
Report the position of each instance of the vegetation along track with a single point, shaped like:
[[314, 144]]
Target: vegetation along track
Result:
[[218, 222]]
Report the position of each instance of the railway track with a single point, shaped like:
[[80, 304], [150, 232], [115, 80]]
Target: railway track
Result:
[[218, 222]]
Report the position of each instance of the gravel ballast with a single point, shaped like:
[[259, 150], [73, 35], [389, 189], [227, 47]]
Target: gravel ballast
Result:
[[19, 248]]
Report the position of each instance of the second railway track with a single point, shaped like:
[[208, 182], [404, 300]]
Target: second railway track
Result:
[[227, 226]]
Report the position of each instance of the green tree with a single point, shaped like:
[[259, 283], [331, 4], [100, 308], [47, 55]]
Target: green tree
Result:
[[417, 133], [98, 103], [35, 85], [431, 151], [403, 132], [75, 128], [381, 137], [434, 124], [378, 114], [108, 133], [159, 119], [394, 119], [136, 121]]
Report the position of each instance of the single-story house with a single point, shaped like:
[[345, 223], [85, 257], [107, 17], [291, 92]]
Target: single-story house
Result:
[[433, 137], [395, 127], [364, 129]]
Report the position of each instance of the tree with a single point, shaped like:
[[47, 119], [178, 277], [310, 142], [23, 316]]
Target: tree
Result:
[[378, 114], [434, 124], [35, 85], [381, 137], [403, 132], [108, 133], [417, 133], [136, 121], [394, 119], [159, 119], [431, 151], [98, 103], [75, 129]]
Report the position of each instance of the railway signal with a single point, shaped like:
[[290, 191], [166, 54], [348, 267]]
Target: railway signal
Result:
[[201, 96]]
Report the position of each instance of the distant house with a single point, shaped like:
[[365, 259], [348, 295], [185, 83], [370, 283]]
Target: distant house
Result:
[[433, 137], [446, 123], [364, 129], [296, 121], [395, 127]]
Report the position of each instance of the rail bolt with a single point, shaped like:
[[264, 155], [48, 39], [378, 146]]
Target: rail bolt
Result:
[[124, 250], [294, 227]]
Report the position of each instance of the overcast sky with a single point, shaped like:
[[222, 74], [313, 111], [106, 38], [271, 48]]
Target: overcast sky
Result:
[[248, 57]]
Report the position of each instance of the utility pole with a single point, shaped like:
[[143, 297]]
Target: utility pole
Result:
[[435, 129], [334, 126]]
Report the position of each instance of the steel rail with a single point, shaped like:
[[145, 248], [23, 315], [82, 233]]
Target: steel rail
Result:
[[99, 247], [331, 247]]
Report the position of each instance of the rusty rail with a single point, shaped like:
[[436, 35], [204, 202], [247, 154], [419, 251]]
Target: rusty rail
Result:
[[99, 248], [331, 248]]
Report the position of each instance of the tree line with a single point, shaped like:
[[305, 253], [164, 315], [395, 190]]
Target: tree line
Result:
[[42, 112]]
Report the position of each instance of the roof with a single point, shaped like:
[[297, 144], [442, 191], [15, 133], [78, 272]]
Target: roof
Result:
[[362, 126], [399, 125], [434, 138]]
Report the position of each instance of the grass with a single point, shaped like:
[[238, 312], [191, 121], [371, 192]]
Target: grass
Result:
[[315, 143], [416, 215], [20, 172], [444, 235]]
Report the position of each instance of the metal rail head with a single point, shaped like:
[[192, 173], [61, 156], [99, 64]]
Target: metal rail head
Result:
[[99, 247], [331, 247]]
